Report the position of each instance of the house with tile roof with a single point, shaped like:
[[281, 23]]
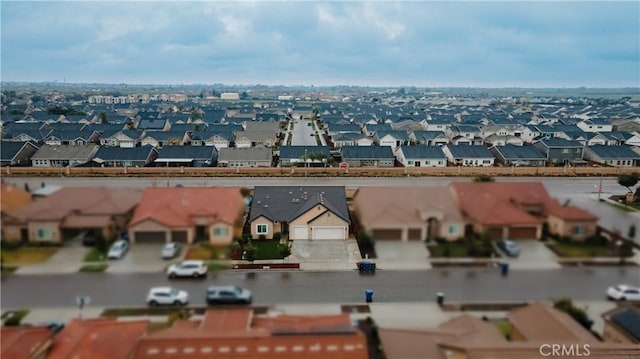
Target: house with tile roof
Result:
[[234, 333], [13, 153], [408, 213], [245, 157], [220, 138], [69, 211], [421, 156], [22, 342], [368, 156], [512, 155], [305, 213], [469, 155], [187, 215], [618, 156], [72, 137], [13, 197], [622, 325]]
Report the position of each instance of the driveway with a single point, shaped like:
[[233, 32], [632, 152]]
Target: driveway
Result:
[[68, 259], [402, 255], [326, 255], [141, 258], [533, 255], [303, 134]]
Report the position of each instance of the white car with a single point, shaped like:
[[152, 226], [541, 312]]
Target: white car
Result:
[[118, 249], [170, 250], [195, 269], [623, 292], [167, 296]]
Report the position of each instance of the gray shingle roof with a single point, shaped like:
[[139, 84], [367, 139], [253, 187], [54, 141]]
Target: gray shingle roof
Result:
[[614, 152], [513, 152], [191, 152], [244, 154], [297, 152], [422, 152], [469, 151], [124, 154], [367, 152]]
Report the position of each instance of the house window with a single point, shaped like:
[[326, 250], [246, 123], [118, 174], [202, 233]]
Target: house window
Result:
[[262, 229], [565, 150], [453, 229], [252, 163], [439, 162], [486, 161], [410, 162], [579, 230], [220, 231], [44, 233]]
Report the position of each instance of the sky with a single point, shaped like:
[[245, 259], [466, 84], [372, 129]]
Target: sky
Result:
[[379, 43]]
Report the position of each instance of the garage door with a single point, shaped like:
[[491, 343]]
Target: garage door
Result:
[[415, 234], [179, 236], [389, 234], [495, 232], [522, 233], [300, 233], [328, 232], [150, 237]]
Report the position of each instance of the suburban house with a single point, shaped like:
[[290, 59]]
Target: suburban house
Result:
[[245, 157], [70, 211], [246, 139], [13, 197], [25, 342], [408, 213], [156, 124], [595, 125], [393, 139], [618, 156], [239, 332], [368, 156], [16, 153], [187, 156], [219, 139], [121, 138], [560, 151], [517, 210], [469, 155], [622, 325], [293, 155], [534, 329], [512, 155], [429, 138], [160, 139], [63, 155], [187, 215], [72, 138], [125, 156], [350, 139], [306, 213], [421, 156]]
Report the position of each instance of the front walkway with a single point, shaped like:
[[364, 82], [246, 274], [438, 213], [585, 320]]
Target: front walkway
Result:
[[68, 259]]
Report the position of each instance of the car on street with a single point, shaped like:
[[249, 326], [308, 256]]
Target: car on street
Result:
[[228, 294], [167, 296], [118, 249], [170, 250], [190, 268], [623, 292], [509, 247]]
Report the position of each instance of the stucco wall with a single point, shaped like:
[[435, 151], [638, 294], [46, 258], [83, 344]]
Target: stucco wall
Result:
[[49, 229]]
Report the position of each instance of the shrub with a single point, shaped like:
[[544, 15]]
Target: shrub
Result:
[[596, 240], [250, 252], [446, 251], [10, 244], [578, 314], [262, 237], [277, 236]]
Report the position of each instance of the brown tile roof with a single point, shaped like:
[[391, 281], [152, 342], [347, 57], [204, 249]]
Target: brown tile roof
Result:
[[412, 343], [471, 330], [80, 221], [541, 322], [13, 197], [176, 207], [97, 339], [91, 201], [24, 342], [230, 320], [392, 206], [571, 213]]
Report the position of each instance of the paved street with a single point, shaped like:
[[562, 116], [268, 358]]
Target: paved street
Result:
[[303, 134], [458, 284]]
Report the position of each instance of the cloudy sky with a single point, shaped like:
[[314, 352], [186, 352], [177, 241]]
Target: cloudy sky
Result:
[[380, 43]]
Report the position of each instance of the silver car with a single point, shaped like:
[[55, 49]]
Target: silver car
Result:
[[170, 250], [228, 294], [118, 249]]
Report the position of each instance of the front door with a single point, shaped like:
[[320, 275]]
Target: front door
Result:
[[24, 235]]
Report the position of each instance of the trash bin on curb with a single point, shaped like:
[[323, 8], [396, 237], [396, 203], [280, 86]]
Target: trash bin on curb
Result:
[[368, 295], [440, 298], [504, 268]]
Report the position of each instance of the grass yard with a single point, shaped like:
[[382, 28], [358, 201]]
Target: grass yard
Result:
[[214, 266], [15, 317], [94, 268], [26, 255], [267, 249], [205, 252], [459, 249], [95, 255], [577, 250]]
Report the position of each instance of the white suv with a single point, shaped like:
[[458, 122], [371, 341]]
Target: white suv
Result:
[[167, 296], [195, 269]]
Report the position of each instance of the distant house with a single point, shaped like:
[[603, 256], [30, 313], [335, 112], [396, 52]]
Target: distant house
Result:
[[429, 138], [219, 139], [306, 213], [421, 156], [245, 157], [160, 139], [512, 155], [560, 151], [121, 138], [125, 157], [619, 156], [468, 155], [368, 156], [393, 139], [157, 124], [16, 153], [72, 138], [595, 125], [63, 155], [294, 155], [350, 139], [187, 156], [621, 325]]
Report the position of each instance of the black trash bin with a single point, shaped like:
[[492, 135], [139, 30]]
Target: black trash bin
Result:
[[368, 295], [440, 298], [372, 267]]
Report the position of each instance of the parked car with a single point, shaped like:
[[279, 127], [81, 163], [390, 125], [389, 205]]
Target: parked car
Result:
[[170, 250], [623, 292], [118, 249], [167, 296], [88, 240], [228, 294], [509, 247], [195, 269]]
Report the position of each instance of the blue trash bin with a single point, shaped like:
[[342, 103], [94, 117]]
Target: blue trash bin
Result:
[[368, 295], [366, 267], [504, 268]]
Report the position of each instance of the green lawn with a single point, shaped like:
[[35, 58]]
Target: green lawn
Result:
[[576, 250], [458, 249], [94, 268], [26, 255], [16, 317], [95, 255], [267, 249], [206, 252]]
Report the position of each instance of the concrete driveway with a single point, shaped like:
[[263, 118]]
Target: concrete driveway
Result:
[[68, 259], [326, 255], [533, 255], [303, 134], [402, 255], [141, 258]]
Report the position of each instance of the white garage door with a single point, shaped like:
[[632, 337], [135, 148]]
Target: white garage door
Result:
[[328, 232], [300, 233]]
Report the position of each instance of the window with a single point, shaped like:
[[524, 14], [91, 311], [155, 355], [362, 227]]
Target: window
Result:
[[453, 229], [486, 161], [261, 229], [579, 230], [220, 231], [565, 150], [44, 234], [410, 162]]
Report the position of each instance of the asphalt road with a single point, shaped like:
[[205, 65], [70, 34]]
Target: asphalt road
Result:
[[303, 135], [269, 288]]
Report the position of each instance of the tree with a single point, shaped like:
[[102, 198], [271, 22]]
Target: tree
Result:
[[629, 180], [578, 314], [250, 252], [103, 117], [285, 250]]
